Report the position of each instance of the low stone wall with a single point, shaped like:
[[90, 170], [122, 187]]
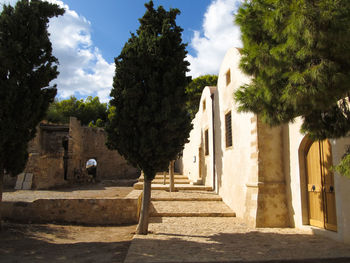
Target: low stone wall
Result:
[[111, 211]]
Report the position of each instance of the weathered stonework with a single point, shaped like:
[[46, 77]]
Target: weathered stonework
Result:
[[272, 208], [54, 164], [90, 211]]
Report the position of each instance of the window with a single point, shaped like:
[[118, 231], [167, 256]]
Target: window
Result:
[[206, 142], [228, 129], [204, 105], [228, 77]]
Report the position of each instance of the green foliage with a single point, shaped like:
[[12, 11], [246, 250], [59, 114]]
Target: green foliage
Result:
[[97, 124], [90, 112], [298, 53], [344, 166], [194, 91], [149, 123], [27, 67]]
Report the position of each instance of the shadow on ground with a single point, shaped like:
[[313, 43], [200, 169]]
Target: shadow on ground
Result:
[[254, 246], [54, 243]]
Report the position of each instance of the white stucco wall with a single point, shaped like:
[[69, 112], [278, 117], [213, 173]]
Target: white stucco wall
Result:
[[233, 164], [294, 138], [237, 167], [189, 165], [192, 157], [342, 188]]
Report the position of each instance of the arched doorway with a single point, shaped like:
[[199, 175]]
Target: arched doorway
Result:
[[320, 185], [91, 167]]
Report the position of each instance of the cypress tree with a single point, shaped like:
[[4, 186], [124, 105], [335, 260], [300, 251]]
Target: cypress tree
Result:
[[27, 67], [298, 53], [149, 123]]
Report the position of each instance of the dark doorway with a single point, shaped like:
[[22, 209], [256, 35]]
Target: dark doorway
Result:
[[91, 167], [65, 141]]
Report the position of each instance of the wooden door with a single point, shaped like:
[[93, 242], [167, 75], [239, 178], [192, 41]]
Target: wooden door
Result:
[[320, 186], [328, 186], [314, 186]]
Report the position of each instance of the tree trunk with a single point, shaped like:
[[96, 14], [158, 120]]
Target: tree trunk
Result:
[[171, 176], [142, 228], [1, 189]]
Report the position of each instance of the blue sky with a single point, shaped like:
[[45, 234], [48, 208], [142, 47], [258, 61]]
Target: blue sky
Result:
[[91, 33], [113, 20]]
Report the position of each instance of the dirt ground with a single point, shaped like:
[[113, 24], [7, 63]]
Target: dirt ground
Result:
[[101, 190], [64, 243]]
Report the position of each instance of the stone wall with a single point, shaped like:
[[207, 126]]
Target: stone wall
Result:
[[90, 143], [272, 210], [45, 160], [9, 181], [47, 156], [112, 211]]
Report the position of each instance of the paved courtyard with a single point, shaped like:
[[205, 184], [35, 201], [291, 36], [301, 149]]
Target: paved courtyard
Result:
[[89, 191], [220, 239], [43, 243], [172, 239]]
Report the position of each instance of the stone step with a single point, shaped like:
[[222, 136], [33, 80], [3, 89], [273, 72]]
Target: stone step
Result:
[[139, 186], [176, 181], [176, 176], [161, 177], [190, 209], [167, 172], [159, 195]]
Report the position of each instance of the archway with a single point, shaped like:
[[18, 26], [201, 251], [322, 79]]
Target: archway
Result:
[[318, 184], [91, 167]]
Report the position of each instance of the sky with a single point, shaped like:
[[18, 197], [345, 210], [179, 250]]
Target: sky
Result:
[[91, 33]]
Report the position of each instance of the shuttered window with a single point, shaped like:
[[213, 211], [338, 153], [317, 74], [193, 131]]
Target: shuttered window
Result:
[[206, 141], [228, 129], [228, 77]]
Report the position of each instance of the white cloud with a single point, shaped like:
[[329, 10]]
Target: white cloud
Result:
[[7, 2], [219, 34], [83, 70]]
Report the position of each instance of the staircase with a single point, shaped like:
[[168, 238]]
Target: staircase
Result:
[[181, 183], [187, 201]]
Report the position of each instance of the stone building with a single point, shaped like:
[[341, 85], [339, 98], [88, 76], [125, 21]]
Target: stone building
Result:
[[271, 177], [59, 155]]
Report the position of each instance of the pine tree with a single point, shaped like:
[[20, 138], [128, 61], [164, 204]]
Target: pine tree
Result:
[[26, 69], [298, 53], [194, 91], [149, 124]]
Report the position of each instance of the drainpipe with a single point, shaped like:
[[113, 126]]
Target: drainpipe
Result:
[[213, 131]]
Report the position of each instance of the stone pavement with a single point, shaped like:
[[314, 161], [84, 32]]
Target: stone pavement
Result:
[[225, 239], [90, 191], [185, 233], [188, 195], [187, 203]]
